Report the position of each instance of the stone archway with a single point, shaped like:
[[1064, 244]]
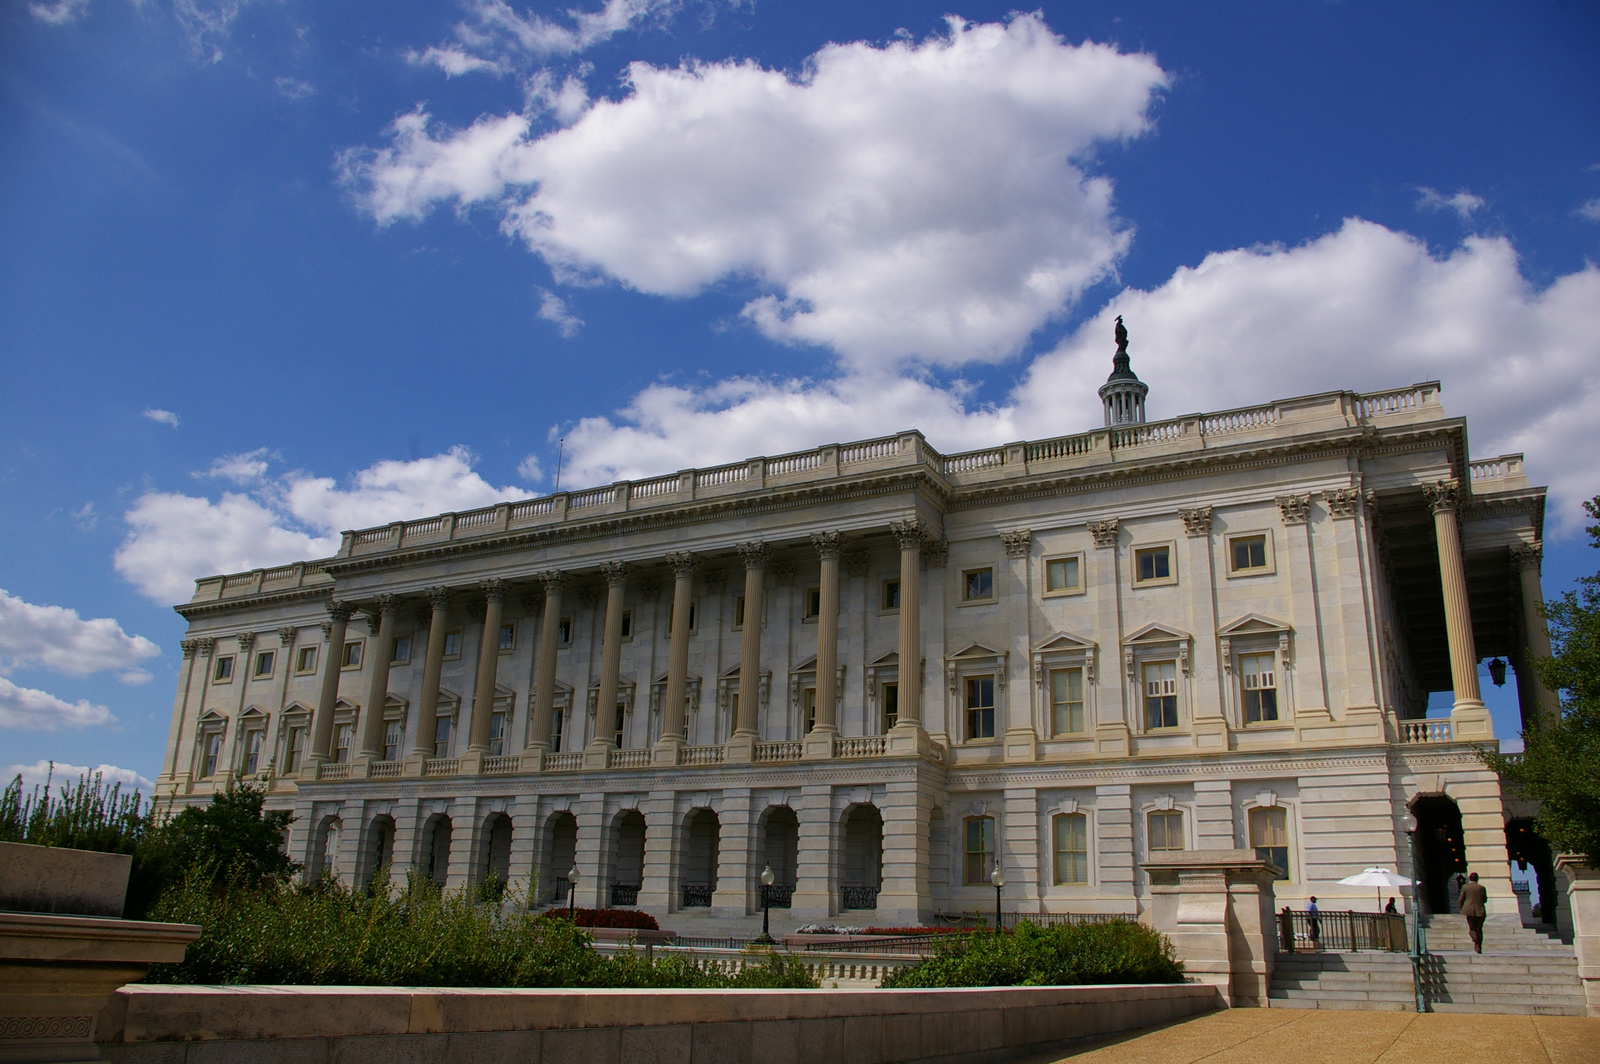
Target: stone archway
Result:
[[1526, 848], [558, 856], [497, 850], [379, 852], [436, 849], [780, 851], [863, 858], [702, 831], [627, 857], [1441, 848]]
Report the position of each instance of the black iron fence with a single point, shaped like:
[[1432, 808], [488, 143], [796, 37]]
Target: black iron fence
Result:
[[779, 896], [623, 894], [1009, 921], [1304, 932], [697, 897], [859, 897]]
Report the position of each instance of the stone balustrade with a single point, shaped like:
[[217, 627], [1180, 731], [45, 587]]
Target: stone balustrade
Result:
[[1426, 731]]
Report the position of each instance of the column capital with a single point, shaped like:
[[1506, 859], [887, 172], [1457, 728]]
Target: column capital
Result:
[[1296, 509], [935, 552], [1527, 555], [755, 554], [907, 533], [189, 646], [1018, 542], [616, 573], [439, 596], [1196, 521], [716, 581], [856, 563], [1443, 496], [828, 544], [1105, 532], [494, 589], [387, 603], [1343, 502], [286, 634], [339, 610], [782, 573], [684, 563], [246, 640], [554, 581]]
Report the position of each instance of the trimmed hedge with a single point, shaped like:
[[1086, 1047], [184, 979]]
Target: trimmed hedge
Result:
[[1120, 951]]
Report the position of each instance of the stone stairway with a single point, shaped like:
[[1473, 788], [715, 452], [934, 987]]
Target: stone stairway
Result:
[[1520, 971]]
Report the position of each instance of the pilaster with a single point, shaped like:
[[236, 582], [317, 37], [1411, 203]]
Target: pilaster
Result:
[[903, 898], [1021, 741], [735, 839], [1024, 865], [814, 896], [661, 851]]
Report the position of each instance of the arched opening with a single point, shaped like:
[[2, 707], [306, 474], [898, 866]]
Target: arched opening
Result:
[[497, 852], [1528, 851], [325, 849], [780, 839], [380, 852], [863, 858], [560, 851], [627, 864], [700, 858], [436, 849], [1441, 849]]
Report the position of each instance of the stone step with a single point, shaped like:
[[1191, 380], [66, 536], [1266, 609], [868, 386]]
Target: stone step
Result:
[[1353, 1006], [1521, 1009]]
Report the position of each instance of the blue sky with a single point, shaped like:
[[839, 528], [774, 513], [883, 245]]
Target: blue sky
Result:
[[271, 270]]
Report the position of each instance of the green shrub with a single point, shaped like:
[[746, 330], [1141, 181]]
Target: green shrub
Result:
[[86, 815], [325, 935], [1069, 955]]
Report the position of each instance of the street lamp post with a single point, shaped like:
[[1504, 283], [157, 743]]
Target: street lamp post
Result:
[[1415, 914], [998, 878], [572, 896], [766, 906]]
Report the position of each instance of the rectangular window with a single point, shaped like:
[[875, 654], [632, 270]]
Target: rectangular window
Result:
[[1160, 695], [1260, 687], [891, 594], [1072, 848], [508, 637], [671, 614], [401, 654], [808, 708], [393, 730], [342, 734], [564, 631], [979, 831], [223, 671], [1066, 701], [293, 750], [890, 693], [213, 750], [977, 584], [1152, 564], [1063, 574], [252, 751], [306, 661], [738, 612], [1246, 553], [557, 718], [452, 644], [621, 724], [813, 608], [352, 656], [980, 707], [1165, 831], [497, 733], [264, 663], [442, 727], [1269, 836], [627, 624]]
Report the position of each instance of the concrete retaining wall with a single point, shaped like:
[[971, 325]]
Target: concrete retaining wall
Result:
[[382, 1025]]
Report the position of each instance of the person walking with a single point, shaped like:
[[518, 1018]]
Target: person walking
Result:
[[1475, 906], [1316, 923]]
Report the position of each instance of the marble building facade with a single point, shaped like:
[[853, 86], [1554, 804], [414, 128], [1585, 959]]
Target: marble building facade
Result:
[[879, 669]]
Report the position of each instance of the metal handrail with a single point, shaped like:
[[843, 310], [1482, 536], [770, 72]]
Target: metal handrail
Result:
[[1341, 932]]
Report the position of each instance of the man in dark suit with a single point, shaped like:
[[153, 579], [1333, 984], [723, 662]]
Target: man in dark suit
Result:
[[1474, 906]]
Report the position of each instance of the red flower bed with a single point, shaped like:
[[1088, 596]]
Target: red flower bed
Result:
[[635, 918]]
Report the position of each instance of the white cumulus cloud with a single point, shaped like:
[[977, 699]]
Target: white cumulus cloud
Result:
[[174, 538], [57, 773], [1361, 308], [164, 417], [924, 201], [554, 309], [29, 709], [496, 38], [56, 638], [1463, 203], [1590, 209]]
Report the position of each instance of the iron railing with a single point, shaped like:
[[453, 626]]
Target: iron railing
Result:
[[623, 894], [697, 897], [859, 897], [779, 896], [1341, 932]]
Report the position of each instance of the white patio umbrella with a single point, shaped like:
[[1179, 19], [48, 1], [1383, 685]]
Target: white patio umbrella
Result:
[[1379, 878]]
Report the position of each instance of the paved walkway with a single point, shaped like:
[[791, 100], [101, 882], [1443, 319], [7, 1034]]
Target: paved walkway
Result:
[[1327, 1036]]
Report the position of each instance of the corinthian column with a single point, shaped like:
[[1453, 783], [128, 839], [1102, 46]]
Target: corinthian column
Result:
[[333, 661], [684, 564], [432, 673], [544, 681], [494, 592], [378, 688], [907, 735], [1545, 707], [1470, 718], [605, 706], [819, 740], [747, 727]]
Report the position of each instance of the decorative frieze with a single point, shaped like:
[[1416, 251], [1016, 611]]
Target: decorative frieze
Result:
[[1296, 509], [1104, 532], [1196, 521], [1017, 542]]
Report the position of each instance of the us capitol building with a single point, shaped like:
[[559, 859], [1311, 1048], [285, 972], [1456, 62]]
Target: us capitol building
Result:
[[878, 669]]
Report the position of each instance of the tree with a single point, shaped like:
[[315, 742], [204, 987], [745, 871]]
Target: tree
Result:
[[1560, 765]]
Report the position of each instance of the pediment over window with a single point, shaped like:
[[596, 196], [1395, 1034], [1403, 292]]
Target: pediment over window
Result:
[[1063, 642], [975, 651], [661, 679], [887, 661], [1252, 624], [691, 691], [1157, 633], [296, 709], [974, 657], [253, 715], [808, 665], [625, 687], [211, 716], [394, 708], [1155, 638], [1067, 649]]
